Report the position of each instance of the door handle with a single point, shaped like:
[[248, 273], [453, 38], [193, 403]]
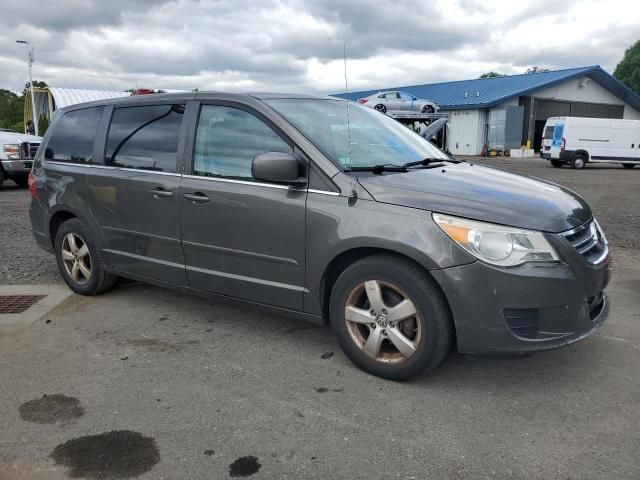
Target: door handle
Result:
[[196, 197], [160, 192]]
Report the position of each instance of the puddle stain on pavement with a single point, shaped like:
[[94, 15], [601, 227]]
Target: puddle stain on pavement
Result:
[[244, 467], [108, 456], [51, 409]]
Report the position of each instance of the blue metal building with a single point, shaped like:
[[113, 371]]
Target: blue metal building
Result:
[[477, 105]]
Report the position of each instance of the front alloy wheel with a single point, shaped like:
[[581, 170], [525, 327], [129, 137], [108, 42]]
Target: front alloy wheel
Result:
[[76, 258], [390, 317], [383, 321]]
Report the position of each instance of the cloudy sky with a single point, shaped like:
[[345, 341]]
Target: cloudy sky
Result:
[[297, 45]]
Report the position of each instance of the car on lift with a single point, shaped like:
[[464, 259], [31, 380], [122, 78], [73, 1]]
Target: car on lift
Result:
[[399, 102], [16, 156]]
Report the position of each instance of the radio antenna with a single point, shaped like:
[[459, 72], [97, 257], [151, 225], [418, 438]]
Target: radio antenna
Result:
[[353, 196]]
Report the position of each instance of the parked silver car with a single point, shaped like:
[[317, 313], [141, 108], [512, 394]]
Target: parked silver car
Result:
[[394, 102]]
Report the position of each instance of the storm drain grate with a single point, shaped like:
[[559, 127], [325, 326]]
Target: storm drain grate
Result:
[[17, 303]]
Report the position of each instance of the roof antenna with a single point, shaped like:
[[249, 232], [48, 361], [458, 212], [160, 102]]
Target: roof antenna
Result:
[[353, 196]]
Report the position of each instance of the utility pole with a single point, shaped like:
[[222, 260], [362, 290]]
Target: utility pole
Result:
[[33, 103]]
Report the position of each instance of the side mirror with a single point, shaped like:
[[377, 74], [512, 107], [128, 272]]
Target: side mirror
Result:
[[276, 167]]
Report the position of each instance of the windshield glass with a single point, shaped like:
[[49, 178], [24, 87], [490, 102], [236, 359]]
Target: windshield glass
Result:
[[375, 138]]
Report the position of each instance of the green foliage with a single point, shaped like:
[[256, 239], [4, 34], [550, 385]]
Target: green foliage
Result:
[[36, 83], [535, 69], [11, 110], [628, 70], [43, 124], [491, 74]]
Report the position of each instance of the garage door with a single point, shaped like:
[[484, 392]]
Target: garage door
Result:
[[555, 108]]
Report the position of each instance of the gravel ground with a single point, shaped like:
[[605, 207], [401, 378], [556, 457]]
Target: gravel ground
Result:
[[21, 260], [611, 191]]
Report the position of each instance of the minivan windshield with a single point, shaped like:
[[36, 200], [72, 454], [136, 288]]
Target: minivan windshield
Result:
[[375, 138]]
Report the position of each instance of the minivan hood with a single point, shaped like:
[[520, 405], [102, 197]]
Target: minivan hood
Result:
[[482, 193]]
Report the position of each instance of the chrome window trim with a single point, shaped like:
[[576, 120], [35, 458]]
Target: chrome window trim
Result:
[[240, 182], [323, 192], [196, 177], [110, 167]]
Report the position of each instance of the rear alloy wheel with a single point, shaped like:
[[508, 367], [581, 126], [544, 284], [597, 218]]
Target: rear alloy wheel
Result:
[[390, 317], [628, 165], [381, 108], [579, 162], [79, 261], [556, 163]]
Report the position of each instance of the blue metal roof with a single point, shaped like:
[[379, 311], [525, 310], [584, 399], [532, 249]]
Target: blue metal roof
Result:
[[487, 92]]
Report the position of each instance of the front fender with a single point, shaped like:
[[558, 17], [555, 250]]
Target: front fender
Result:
[[335, 228]]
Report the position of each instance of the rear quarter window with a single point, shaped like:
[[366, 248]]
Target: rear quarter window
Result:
[[73, 136]]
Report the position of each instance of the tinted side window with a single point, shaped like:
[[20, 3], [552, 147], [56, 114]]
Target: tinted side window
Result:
[[73, 137], [228, 139], [145, 137]]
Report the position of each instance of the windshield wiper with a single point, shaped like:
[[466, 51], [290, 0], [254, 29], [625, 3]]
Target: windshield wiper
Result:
[[384, 167], [426, 161]]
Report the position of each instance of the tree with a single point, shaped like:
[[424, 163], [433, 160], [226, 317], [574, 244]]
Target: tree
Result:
[[535, 69], [36, 84], [11, 110], [43, 124], [491, 74], [628, 70]]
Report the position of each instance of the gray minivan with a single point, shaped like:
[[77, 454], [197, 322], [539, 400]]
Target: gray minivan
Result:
[[324, 209]]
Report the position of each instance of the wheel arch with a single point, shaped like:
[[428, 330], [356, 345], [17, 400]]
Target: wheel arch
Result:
[[347, 257], [582, 153]]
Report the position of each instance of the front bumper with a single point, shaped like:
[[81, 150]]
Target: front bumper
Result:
[[17, 167], [527, 308]]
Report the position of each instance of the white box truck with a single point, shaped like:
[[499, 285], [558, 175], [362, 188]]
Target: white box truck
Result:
[[577, 141]]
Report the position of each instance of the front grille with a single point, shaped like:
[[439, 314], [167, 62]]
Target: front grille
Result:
[[589, 241], [28, 150]]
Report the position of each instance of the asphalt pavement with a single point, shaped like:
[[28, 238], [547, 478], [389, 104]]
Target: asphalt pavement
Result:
[[143, 382]]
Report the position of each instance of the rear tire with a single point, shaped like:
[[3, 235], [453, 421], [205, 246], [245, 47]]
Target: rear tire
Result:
[[22, 182], [381, 108], [79, 260], [378, 336], [628, 165], [579, 162], [556, 163], [1, 176]]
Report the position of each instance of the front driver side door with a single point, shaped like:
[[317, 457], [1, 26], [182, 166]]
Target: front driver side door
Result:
[[241, 237]]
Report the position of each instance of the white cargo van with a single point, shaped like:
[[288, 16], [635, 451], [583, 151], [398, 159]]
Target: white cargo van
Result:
[[577, 141]]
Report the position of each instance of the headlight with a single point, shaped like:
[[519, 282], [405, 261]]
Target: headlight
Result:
[[496, 244], [12, 151]]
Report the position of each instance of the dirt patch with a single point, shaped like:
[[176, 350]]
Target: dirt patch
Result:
[[154, 345], [51, 409], [110, 455]]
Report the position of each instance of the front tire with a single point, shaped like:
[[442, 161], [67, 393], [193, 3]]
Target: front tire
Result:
[[628, 165], [79, 260], [556, 163], [427, 109], [390, 317]]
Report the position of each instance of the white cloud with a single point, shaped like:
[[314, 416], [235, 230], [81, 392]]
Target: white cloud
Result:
[[296, 45]]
